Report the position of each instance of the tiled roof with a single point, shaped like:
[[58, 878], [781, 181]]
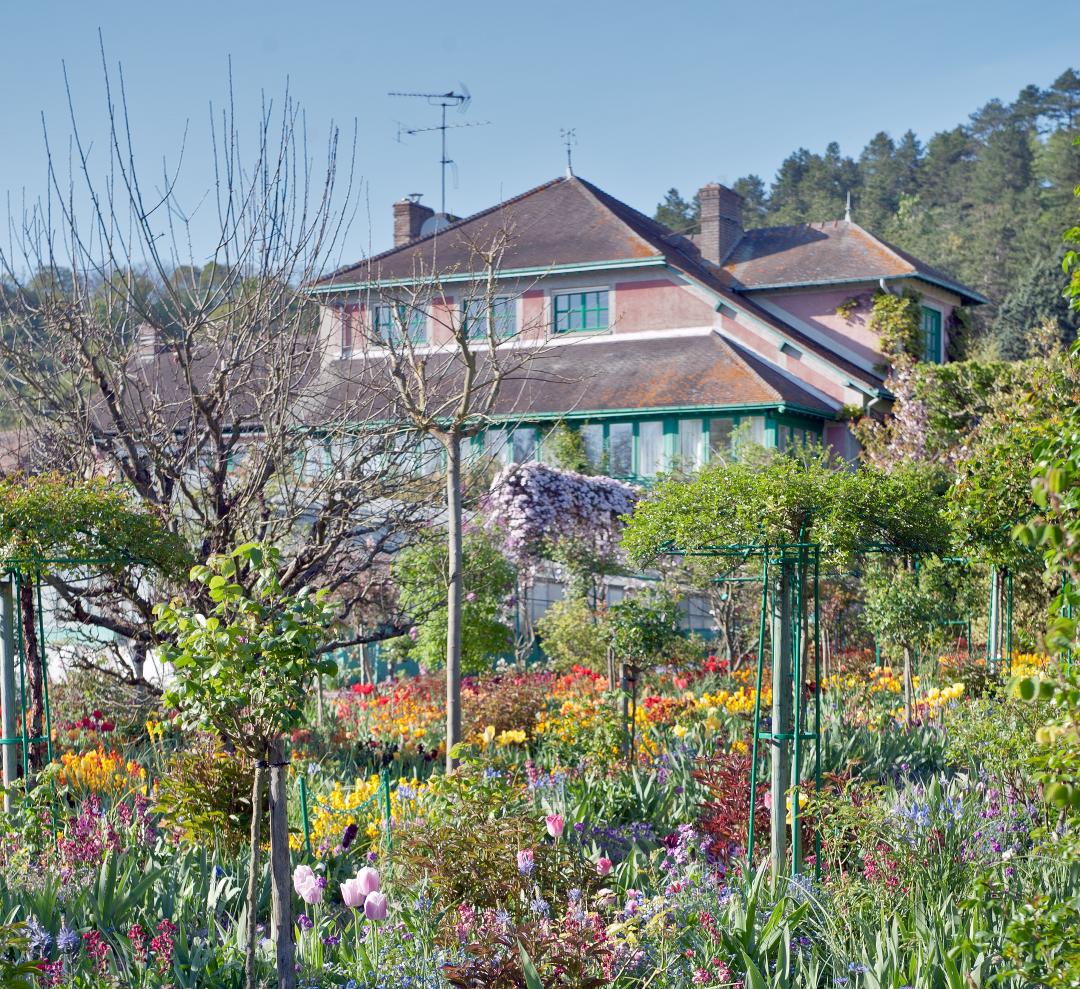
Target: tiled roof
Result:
[[826, 253], [606, 374], [557, 223]]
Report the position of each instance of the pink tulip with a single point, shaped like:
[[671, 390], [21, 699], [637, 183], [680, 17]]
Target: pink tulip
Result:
[[555, 825], [308, 885], [525, 862], [352, 894], [375, 906], [368, 879], [603, 866]]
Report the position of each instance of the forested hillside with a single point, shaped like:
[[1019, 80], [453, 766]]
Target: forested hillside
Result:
[[986, 201]]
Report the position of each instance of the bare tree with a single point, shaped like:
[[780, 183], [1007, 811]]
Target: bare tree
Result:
[[197, 378], [471, 365]]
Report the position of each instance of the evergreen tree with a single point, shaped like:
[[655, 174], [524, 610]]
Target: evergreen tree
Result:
[[677, 214], [1036, 298], [755, 200]]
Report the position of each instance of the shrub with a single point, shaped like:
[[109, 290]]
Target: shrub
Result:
[[205, 794], [573, 635], [725, 815], [507, 702]]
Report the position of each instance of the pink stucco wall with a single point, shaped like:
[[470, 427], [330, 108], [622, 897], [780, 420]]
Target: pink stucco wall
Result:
[[658, 304], [818, 309]]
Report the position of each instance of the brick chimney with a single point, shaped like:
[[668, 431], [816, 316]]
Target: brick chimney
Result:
[[409, 217], [147, 342], [721, 221]]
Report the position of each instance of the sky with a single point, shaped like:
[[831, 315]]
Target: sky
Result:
[[660, 94]]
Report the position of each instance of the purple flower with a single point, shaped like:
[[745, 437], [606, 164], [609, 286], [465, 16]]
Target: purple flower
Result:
[[305, 922]]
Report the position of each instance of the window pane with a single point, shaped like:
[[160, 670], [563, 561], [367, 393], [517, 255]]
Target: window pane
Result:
[[650, 448], [581, 311], [931, 330], [720, 438], [524, 445], [497, 445], [621, 448], [691, 443], [592, 437], [756, 432]]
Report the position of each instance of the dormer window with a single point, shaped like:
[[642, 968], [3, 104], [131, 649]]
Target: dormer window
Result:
[[503, 310], [575, 312], [389, 322]]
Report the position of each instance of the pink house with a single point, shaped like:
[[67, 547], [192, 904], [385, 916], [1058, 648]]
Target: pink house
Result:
[[665, 348]]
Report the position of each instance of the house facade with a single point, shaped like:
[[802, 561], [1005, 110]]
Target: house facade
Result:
[[664, 349]]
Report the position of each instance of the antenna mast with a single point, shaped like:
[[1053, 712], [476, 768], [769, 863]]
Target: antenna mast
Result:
[[461, 100]]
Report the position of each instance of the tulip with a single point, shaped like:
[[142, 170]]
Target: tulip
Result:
[[312, 890], [555, 825], [603, 866], [375, 906], [301, 876], [489, 734], [368, 879], [352, 894]]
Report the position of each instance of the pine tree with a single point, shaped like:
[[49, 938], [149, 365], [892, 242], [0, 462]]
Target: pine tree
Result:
[[677, 214]]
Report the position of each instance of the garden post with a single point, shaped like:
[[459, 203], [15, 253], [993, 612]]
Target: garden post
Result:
[[454, 595], [7, 685], [781, 713], [280, 870], [253, 874]]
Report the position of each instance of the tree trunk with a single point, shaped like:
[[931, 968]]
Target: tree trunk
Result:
[[454, 595], [280, 870], [909, 688], [35, 679], [253, 876], [780, 749]]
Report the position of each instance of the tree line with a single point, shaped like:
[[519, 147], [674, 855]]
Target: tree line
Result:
[[985, 201]]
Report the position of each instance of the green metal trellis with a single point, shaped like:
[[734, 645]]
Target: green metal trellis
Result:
[[17, 574]]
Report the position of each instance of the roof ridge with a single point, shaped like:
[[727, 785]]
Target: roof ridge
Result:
[[457, 223], [598, 195]]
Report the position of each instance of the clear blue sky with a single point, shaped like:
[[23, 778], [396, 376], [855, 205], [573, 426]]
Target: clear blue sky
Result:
[[661, 94]]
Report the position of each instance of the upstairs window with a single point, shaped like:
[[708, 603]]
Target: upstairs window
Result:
[[930, 323], [503, 310], [389, 321], [575, 312]]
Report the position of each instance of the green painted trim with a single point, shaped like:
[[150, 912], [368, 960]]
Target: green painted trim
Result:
[[652, 261], [963, 292], [693, 411]]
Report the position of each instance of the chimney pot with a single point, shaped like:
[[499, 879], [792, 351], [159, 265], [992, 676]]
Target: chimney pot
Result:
[[409, 217], [721, 221]]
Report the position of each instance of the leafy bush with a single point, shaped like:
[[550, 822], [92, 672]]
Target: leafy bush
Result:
[[508, 702], [489, 580], [205, 794], [573, 635]]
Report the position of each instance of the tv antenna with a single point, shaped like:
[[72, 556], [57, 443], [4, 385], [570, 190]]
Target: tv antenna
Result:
[[569, 138], [453, 98]]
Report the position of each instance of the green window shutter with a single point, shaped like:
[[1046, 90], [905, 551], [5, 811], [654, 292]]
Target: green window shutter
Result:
[[930, 323]]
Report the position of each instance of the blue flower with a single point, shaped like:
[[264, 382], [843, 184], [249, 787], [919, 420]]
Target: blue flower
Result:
[[856, 969], [40, 939], [540, 907], [67, 940]]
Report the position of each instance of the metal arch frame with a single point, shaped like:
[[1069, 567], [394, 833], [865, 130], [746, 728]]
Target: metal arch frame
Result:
[[19, 572]]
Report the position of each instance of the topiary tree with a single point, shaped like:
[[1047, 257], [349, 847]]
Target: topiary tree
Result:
[[243, 670]]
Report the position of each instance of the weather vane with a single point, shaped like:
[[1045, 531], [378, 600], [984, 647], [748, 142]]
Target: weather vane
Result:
[[569, 138]]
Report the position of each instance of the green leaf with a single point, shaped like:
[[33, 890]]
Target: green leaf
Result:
[[532, 976]]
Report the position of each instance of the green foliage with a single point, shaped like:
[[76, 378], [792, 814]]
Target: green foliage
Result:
[[565, 448], [896, 320], [677, 214], [645, 627], [244, 669], [572, 634], [204, 794], [488, 582], [789, 500], [906, 608], [50, 516]]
